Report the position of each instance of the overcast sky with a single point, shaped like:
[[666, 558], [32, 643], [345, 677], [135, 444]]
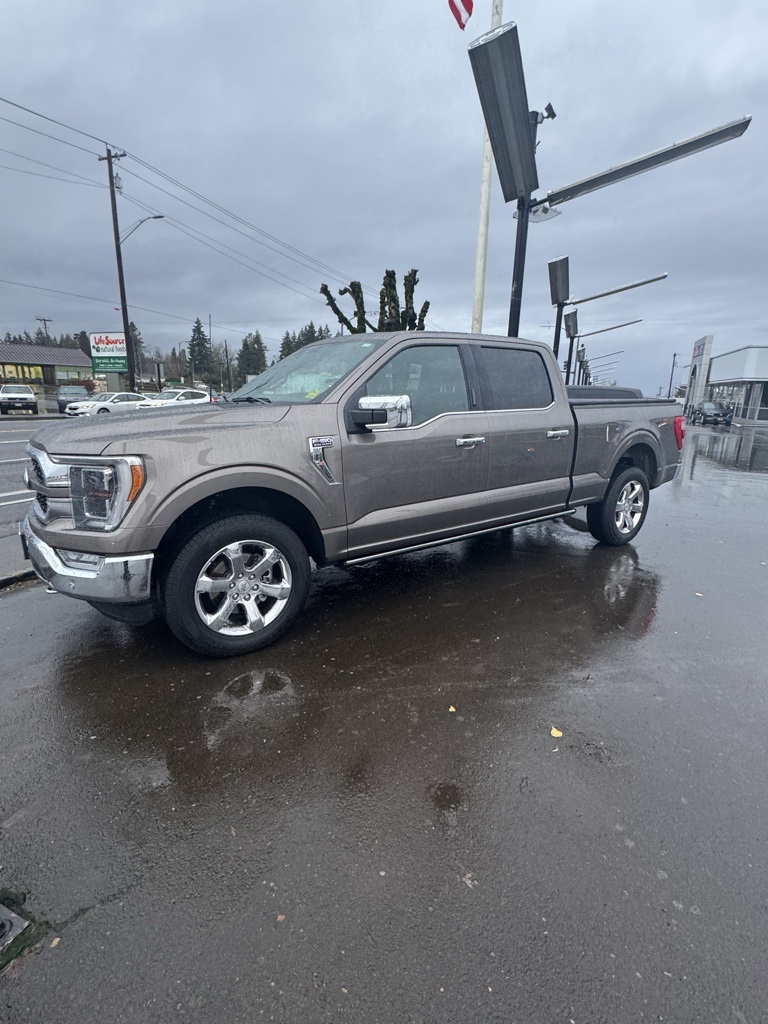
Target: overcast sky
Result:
[[352, 132]]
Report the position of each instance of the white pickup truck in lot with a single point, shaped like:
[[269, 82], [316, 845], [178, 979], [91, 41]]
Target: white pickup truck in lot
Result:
[[17, 398], [347, 450]]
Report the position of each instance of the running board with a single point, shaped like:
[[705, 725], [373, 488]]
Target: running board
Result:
[[459, 536]]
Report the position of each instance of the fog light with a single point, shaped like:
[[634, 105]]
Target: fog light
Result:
[[80, 559]]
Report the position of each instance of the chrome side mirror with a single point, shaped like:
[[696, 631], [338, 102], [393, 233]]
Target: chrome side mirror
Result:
[[397, 408]]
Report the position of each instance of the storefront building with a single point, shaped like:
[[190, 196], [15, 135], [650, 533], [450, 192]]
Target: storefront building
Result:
[[42, 366], [738, 378]]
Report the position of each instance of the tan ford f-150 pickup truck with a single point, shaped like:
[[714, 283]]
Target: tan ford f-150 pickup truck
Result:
[[349, 449]]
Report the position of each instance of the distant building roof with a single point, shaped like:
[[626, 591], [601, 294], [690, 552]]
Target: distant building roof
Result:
[[43, 355]]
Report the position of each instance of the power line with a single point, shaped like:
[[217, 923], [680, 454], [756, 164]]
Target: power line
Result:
[[53, 120], [51, 167], [193, 233], [55, 138], [230, 227], [228, 213], [323, 266], [52, 177], [111, 302], [236, 217]]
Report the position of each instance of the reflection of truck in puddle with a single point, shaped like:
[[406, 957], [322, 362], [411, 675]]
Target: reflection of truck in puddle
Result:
[[482, 606]]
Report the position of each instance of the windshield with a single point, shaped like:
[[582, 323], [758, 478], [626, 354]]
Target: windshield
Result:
[[167, 394], [17, 389], [104, 396], [309, 374], [73, 391]]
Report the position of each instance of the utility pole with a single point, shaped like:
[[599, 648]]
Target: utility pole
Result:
[[45, 320], [481, 257], [120, 277], [229, 371], [671, 374]]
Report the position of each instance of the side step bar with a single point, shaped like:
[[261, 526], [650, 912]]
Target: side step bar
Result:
[[459, 536]]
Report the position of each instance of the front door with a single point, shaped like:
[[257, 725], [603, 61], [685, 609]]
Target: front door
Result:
[[424, 480]]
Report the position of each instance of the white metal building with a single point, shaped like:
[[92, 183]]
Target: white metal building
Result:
[[738, 378]]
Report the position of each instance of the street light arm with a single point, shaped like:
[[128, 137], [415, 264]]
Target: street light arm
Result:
[[129, 232], [678, 150], [615, 291], [603, 330]]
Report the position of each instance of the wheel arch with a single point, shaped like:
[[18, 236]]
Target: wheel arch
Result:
[[641, 452], [262, 500]]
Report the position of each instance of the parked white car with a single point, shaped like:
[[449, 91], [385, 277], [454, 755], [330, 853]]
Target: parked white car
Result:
[[176, 396], [107, 401]]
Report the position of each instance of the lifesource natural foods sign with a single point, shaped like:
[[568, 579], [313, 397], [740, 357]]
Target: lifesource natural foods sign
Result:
[[108, 352]]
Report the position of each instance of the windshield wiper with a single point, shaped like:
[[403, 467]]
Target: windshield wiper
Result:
[[253, 398]]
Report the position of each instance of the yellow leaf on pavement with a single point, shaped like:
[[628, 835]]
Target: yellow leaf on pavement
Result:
[[554, 731]]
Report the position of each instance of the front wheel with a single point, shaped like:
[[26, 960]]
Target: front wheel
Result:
[[618, 517], [100, 411], [236, 585]]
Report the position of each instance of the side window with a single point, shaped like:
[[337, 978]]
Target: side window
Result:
[[431, 375], [514, 378]]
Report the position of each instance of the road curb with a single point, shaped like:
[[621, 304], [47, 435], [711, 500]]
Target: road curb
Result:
[[36, 419], [20, 576]]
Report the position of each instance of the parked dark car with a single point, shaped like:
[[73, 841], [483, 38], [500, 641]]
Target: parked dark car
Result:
[[70, 393], [712, 412]]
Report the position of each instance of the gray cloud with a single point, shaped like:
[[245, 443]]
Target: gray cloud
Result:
[[353, 133]]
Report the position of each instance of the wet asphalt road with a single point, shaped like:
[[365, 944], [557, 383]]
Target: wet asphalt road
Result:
[[313, 833]]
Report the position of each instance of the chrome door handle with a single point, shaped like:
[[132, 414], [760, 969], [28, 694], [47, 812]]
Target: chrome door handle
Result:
[[558, 433], [469, 442]]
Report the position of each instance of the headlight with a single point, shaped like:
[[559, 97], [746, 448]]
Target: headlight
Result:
[[103, 492]]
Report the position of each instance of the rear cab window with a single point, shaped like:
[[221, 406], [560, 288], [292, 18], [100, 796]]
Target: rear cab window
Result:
[[513, 378]]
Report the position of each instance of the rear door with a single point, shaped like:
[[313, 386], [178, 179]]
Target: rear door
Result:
[[531, 432], [404, 485]]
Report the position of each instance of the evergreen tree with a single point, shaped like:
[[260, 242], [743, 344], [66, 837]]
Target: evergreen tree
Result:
[[41, 338], [200, 354], [139, 355], [292, 341], [251, 359], [83, 342], [288, 345]]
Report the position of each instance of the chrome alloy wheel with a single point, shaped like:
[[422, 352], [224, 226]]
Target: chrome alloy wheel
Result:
[[243, 587], [629, 507]]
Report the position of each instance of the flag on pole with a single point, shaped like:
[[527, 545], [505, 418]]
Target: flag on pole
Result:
[[461, 10]]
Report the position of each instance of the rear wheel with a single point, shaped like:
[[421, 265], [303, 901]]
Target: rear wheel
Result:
[[236, 585], [618, 517]]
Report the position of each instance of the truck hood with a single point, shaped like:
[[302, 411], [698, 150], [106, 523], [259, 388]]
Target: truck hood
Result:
[[130, 433]]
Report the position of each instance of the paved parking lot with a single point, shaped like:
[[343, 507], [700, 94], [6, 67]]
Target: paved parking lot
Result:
[[373, 820]]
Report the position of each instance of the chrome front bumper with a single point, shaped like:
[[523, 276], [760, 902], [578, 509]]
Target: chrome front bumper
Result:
[[115, 579]]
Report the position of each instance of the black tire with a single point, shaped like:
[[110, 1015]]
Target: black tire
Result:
[[202, 564], [35, 411], [100, 411], [3, 412], [617, 519]]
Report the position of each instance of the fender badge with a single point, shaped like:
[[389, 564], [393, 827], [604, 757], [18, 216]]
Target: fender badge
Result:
[[320, 442]]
